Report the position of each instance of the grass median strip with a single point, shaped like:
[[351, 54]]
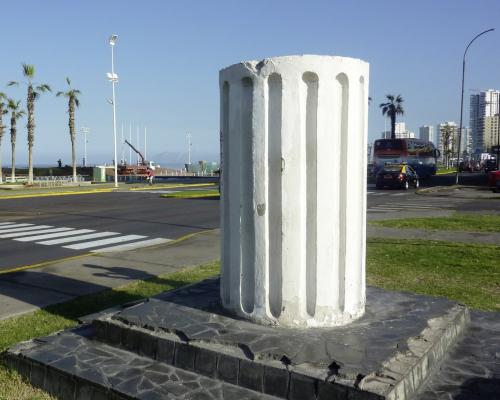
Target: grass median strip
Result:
[[191, 194], [456, 222]]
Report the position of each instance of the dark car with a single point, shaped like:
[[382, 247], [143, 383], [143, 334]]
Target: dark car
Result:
[[397, 175], [490, 165]]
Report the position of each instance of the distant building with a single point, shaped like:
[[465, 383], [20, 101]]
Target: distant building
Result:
[[400, 131], [482, 105], [426, 132], [490, 136]]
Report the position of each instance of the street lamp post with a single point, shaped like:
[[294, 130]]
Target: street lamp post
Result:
[[113, 78], [85, 132], [462, 100]]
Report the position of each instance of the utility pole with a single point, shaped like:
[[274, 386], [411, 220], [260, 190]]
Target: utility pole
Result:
[[145, 148], [138, 147], [123, 150], [85, 131], [188, 136]]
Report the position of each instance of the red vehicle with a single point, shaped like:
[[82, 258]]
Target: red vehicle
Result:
[[494, 181]]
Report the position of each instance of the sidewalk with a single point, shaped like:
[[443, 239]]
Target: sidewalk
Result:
[[449, 236], [30, 290], [462, 192]]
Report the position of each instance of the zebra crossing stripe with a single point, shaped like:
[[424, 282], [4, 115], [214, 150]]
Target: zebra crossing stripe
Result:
[[53, 235], [7, 223], [103, 242], [17, 227], [20, 234], [131, 246], [77, 238]]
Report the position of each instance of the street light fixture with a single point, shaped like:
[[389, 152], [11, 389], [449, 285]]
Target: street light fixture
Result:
[[462, 100], [113, 78]]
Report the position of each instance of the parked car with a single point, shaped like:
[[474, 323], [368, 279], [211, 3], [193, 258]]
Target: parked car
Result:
[[397, 175], [490, 165], [494, 181]]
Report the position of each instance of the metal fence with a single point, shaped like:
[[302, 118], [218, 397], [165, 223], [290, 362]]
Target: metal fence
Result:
[[50, 181]]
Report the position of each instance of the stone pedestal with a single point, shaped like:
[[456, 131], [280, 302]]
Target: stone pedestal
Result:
[[293, 189]]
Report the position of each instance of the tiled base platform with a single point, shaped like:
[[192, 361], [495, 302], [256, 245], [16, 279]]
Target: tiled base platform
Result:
[[182, 345]]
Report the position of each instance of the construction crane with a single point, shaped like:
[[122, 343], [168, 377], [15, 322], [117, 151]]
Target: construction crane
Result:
[[140, 169]]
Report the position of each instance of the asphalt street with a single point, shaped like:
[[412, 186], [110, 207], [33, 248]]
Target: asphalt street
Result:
[[42, 229], [114, 218]]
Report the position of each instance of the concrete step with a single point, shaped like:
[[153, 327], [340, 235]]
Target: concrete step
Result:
[[71, 365]]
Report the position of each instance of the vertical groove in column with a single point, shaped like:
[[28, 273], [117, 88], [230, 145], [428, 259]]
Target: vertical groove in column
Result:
[[224, 188], [360, 296], [344, 132], [246, 199], [311, 140], [274, 113]]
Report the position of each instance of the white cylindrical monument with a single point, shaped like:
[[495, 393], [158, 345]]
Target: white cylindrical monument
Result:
[[293, 189]]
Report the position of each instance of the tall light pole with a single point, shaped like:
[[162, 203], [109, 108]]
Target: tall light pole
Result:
[[462, 100], [85, 131], [188, 136], [113, 78]]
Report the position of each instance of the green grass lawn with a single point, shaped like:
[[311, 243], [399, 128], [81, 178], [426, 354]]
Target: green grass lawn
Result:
[[469, 274], [455, 222], [443, 171], [192, 194], [64, 316]]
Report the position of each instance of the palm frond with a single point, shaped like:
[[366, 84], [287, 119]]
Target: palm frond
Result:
[[69, 82], [13, 83], [43, 88], [36, 95], [60, 94], [28, 70], [77, 102]]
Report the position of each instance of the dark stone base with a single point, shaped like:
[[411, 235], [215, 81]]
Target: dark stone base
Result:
[[181, 344]]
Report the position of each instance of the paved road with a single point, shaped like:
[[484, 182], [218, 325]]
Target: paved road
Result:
[[37, 230], [110, 219]]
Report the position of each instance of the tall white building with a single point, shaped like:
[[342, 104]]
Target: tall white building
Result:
[[482, 105], [426, 132], [400, 131]]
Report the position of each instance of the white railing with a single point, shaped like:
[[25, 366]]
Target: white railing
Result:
[[50, 181]]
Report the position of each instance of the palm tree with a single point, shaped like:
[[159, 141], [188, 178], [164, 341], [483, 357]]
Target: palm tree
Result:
[[34, 91], [73, 102], [3, 111], [392, 108], [447, 139], [15, 113]]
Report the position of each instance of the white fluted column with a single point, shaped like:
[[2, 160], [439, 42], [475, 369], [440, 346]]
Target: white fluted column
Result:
[[293, 189]]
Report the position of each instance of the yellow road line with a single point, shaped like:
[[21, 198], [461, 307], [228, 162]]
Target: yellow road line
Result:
[[188, 196], [173, 186], [42, 264], [49, 194]]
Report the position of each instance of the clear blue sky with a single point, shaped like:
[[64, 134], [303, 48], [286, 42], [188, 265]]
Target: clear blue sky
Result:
[[169, 53]]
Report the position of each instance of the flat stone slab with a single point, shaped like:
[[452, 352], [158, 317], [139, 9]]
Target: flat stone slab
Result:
[[390, 350], [69, 366], [472, 369]]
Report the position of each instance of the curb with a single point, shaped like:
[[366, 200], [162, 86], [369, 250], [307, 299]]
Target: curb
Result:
[[50, 194]]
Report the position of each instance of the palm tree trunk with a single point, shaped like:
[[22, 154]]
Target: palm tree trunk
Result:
[[13, 146], [393, 127], [31, 132], [13, 170], [71, 110]]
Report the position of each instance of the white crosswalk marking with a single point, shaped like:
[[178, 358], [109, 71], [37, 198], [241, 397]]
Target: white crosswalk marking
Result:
[[18, 227], [53, 235], [103, 242], [76, 239], [131, 246], [19, 234], [80, 238]]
